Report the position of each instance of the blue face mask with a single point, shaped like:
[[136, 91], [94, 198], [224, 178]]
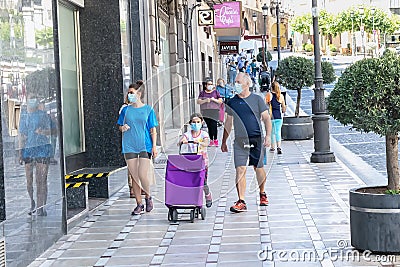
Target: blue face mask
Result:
[[132, 98], [238, 88], [32, 103], [196, 126]]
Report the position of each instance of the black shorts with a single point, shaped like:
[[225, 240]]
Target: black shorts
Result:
[[44, 160], [142, 155], [249, 151]]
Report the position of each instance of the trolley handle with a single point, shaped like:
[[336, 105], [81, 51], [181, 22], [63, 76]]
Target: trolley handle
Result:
[[191, 153]]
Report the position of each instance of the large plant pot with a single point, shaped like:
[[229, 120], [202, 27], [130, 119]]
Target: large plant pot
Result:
[[300, 128], [375, 221]]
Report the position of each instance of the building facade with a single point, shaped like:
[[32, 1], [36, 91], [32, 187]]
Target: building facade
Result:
[[65, 69]]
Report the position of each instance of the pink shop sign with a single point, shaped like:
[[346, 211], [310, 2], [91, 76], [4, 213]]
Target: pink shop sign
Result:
[[227, 15]]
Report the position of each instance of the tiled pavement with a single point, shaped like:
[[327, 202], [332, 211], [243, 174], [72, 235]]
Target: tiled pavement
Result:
[[306, 223]]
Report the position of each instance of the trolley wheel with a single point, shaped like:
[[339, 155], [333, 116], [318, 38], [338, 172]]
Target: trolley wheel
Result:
[[174, 215], [169, 214], [203, 213], [192, 215], [196, 214]]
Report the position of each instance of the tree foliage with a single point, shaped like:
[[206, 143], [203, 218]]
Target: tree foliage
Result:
[[328, 72], [331, 24], [295, 73], [42, 83], [367, 97], [302, 24], [44, 37]]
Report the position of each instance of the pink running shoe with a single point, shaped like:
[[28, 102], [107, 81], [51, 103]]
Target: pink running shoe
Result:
[[211, 143], [216, 143]]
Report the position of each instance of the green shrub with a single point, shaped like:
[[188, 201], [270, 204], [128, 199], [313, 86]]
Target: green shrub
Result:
[[328, 72], [309, 47], [332, 48]]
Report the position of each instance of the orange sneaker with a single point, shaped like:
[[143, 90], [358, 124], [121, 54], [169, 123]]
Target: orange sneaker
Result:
[[263, 199], [239, 206]]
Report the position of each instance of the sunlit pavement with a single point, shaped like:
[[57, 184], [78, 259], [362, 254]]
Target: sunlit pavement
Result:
[[305, 224]]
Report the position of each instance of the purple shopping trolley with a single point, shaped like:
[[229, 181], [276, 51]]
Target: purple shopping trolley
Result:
[[184, 182]]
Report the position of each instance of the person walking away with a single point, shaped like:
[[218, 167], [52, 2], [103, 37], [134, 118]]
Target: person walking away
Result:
[[246, 111], [290, 42], [133, 122], [35, 130], [241, 64], [254, 69], [265, 79], [277, 105], [225, 92], [202, 139], [210, 100], [232, 72]]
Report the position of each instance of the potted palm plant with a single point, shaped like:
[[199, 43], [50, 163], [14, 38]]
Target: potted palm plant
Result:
[[295, 73], [367, 97]]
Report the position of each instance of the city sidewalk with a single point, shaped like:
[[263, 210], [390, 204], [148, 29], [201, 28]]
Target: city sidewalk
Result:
[[308, 213]]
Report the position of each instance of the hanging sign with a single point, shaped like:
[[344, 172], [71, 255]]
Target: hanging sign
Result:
[[227, 15], [226, 48], [205, 17]]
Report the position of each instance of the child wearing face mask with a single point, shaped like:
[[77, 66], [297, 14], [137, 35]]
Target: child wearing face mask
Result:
[[202, 139]]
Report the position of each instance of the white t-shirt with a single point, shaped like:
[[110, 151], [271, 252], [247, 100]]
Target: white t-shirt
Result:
[[199, 138]]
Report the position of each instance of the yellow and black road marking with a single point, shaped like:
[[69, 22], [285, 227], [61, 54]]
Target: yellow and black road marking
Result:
[[86, 175], [75, 185]]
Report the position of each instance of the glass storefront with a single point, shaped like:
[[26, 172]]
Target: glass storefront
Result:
[[71, 80], [31, 157]]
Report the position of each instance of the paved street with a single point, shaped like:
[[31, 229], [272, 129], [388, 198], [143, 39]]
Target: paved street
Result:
[[306, 223]]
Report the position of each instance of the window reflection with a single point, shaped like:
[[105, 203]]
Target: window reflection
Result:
[[32, 180]]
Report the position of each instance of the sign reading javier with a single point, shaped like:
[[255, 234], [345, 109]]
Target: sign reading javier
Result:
[[227, 15]]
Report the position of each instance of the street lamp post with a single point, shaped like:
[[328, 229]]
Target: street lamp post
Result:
[[265, 14], [353, 41], [275, 6], [322, 153], [255, 22], [361, 9]]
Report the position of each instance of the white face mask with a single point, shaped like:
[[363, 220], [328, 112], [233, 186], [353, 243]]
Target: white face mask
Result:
[[209, 88]]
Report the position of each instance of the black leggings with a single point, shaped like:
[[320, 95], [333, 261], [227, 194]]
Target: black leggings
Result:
[[212, 128]]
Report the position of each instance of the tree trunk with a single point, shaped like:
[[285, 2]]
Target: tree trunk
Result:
[[392, 163], [297, 111]]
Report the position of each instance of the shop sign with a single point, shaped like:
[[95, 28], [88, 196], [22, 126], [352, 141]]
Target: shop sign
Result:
[[226, 48], [227, 15], [206, 17]]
